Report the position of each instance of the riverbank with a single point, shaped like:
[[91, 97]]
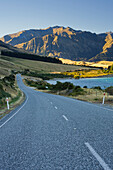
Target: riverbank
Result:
[[90, 95], [103, 76], [67, 89], [90, 73]]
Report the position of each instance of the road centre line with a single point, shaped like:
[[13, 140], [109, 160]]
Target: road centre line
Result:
[[65, 117], [97, 156], [14, 113]]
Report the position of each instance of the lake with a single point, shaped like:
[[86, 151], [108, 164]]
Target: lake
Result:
[[89, 82]]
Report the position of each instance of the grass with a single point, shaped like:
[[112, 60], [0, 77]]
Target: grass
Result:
[[14, 102], [44, 76], [95, 96], [11, 63], [15, 99]]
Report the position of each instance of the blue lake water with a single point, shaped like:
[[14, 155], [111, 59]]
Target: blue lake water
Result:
[[89, 82]]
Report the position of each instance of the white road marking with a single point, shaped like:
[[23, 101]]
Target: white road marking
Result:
[[97, 156], [107, 109], [75, 128], [56, 107], [65, 117], [14, 114]]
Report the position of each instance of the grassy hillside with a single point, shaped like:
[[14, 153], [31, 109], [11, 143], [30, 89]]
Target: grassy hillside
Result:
[[9, 50], [9, 63]]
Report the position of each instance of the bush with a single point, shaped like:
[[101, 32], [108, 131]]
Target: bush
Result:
[[2, 102], [39, 85], [9, 80], [77, 91], [85, 87], [44, 76], [97, 87], [76, 77], [109, 90], [3, 93], [62, 86]]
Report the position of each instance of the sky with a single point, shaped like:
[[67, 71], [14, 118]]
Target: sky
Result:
[[86, 15]]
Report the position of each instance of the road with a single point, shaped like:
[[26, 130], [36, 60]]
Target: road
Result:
[[51, 132]]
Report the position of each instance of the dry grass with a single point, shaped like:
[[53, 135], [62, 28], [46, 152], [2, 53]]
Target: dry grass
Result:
[[95, 96], [19, 64], [103, 64], [45, 66]]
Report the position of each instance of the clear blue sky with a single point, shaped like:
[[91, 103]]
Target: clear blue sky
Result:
[[89, 15]]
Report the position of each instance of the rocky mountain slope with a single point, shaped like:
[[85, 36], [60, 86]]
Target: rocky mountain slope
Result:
[[107, 50], [64, 43]]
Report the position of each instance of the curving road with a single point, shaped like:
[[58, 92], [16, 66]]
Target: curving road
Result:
[[50, 132]]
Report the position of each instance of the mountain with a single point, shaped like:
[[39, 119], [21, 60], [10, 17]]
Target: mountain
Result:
[[107, 51], [64, 43]]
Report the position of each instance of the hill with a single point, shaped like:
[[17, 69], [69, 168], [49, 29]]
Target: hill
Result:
[[9, 50], [9, 64], [60, 42]]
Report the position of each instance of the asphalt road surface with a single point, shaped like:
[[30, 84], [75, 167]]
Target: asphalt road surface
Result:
[[51, 132]]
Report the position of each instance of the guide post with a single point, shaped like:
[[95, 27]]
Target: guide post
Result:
[[103, 98], [7, 103]]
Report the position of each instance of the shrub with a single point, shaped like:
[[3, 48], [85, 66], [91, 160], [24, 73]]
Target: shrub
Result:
[[109, 90], [97, 87], [3, 93], [39, 85], [9, 80], [77, 91], [85, 87], [62, 86]]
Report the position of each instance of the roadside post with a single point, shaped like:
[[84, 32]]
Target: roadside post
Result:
[[103, 98], [7, 103]]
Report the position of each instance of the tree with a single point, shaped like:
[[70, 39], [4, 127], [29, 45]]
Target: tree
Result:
[[111, 68]]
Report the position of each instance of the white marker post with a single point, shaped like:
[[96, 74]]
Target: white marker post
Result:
[[7, 103], [103, 98]]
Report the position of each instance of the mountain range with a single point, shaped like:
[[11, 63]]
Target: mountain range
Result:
[[64, 43]]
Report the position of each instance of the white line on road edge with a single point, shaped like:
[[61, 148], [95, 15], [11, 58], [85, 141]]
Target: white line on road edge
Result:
[[14, 114], [96, 155], [65, 117]]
